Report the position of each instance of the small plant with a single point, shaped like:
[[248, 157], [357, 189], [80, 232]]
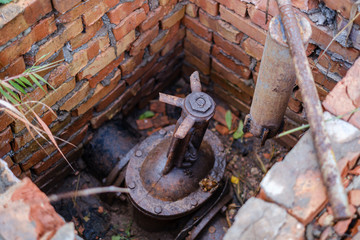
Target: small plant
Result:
[[10, 102], [146, 114], [239, 133], [125, 236]]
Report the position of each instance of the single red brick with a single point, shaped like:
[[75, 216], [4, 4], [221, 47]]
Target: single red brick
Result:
[[143, 41], [123, 10], [174, 17], [75, 99], [221, 27], [191, 10], [258, 17], [101, 61], [130, 64], [15, 68], [253, 48], [198, 42], [82, 38], [105, 71], [94, 14], [5, 120], [153, 18], [16, 170], [44, 28], [230, 63], [197, 27], [157, 106], [237, 6], [36, 10], [295, 105], [210, 6], [243, 24], [129, 23], [59, 75], [144, 124], [111, 97], [64, 5], [222, 129], [231, 49], [8, 161]]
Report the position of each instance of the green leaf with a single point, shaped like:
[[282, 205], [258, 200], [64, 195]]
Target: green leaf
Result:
[[20, 82], [7, 96], [43, 80], [17, 87], [147, 114], [12, 93], [239, 131], [5, 1], [36, 82], [117, 237], [228, 119], [25, 80]]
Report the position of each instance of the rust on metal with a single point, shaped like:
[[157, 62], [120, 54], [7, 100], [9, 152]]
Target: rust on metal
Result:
[[197, 109], [325, 155], [275, 81], [164, 179]]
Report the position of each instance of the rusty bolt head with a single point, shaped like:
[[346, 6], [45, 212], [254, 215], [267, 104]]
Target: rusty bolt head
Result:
[[193, 202], [132, 185], [158, 210], [200, 102], [138, 153]]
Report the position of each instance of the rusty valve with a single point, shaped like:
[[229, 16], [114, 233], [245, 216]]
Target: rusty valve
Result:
[[197, 109]]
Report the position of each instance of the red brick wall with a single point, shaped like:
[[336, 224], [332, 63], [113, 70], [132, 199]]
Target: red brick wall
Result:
[[115, 52], [118, 53], [225, 40]]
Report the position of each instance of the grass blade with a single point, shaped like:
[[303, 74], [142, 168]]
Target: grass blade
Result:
[[36, 82], [17, 87], [26, 81], [42, 79]]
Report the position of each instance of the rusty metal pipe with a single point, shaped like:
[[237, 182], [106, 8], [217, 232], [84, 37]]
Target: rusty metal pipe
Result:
[[275, 82], [325, 155]]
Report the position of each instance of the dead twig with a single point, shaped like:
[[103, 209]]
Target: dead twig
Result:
[[87, 192]]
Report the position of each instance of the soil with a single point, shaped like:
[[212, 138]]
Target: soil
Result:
[[96, 219]]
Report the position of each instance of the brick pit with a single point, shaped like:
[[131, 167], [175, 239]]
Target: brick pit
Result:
[[119, 54]]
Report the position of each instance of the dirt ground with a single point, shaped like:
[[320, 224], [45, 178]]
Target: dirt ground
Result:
[[96, 219]]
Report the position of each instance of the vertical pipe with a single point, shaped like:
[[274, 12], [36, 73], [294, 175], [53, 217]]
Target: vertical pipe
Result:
[[275, 81], [325, 155]]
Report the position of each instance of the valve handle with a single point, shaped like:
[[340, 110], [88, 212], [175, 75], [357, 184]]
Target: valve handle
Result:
[[188, 122]]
